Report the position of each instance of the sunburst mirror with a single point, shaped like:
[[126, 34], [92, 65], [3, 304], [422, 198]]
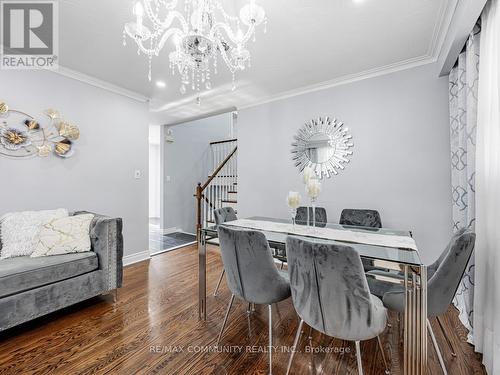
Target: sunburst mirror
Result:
[[324, 144]]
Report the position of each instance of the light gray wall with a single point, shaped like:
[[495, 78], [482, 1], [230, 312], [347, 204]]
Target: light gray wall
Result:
[[401, 160], [100, 176], [187, 162]]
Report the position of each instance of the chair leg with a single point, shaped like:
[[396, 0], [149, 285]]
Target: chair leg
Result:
[[383, 355], [250, 308], [436, 347], [216, 291], [294, 347], [453, 353], [358, 358], [225, 319], [270, 340]]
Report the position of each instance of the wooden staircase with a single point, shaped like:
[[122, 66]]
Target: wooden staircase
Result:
[[221, 187]]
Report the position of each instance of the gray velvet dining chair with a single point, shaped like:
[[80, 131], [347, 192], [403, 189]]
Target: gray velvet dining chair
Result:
[[251, 273], [443, 279], [222, 215], [360, 217], [330, 294], [301, 216]]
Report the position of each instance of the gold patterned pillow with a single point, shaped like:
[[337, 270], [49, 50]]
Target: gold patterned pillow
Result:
[[63, 236]]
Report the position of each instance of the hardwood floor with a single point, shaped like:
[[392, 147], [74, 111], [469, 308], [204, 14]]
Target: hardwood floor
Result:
[[154, 329]]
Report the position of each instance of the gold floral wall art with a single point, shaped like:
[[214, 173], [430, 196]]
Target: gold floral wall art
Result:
[[24, 136]]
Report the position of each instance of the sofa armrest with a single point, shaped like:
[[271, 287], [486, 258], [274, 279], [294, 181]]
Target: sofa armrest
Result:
[[107, 242]]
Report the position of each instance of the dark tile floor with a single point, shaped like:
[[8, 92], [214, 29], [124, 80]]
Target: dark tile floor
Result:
[[167, 242]]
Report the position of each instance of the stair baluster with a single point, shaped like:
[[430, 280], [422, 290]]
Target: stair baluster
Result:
[[218, 190]]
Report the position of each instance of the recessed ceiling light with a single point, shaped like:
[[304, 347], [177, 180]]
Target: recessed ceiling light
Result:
[[358, 1], [161, 84]]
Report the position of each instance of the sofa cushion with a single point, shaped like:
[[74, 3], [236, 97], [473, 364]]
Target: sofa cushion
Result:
[[19, 230], [63, 235], [24, 273]]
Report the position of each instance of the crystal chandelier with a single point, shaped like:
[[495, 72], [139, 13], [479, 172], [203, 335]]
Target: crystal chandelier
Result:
[[200, 34]]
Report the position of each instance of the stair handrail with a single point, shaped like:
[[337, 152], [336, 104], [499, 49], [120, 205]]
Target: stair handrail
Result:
[[201, 188], [223, 141]]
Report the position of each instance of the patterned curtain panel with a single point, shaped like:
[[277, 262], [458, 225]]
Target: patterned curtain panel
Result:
[[463, 119]]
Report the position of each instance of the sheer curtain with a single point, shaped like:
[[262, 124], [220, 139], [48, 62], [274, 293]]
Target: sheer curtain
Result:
[[487, 253], [463, 121]]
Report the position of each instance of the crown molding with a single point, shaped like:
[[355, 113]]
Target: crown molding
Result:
[[441, 27], [351, 78], [96, 82], [440, 31], [465, 16]]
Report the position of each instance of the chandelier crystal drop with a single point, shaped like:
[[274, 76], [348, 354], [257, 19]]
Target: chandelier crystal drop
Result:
[[199, 33]]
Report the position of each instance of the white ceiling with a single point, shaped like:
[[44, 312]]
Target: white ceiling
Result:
[[309, 43]]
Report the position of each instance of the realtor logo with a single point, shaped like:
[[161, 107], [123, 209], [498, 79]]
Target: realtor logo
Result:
[[29, 34]]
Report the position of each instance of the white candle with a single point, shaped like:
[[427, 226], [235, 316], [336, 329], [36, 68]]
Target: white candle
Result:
[[293, 199], [313, 188]]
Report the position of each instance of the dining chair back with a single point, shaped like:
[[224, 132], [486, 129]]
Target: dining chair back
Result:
[[301, 217], [445, 276], [360, 217], [224, 214]]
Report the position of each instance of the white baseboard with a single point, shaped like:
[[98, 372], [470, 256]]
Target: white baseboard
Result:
[[135, 258], [172, 248], [170, 230]]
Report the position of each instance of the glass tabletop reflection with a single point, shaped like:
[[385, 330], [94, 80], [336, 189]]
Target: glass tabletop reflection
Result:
[[382, 253]]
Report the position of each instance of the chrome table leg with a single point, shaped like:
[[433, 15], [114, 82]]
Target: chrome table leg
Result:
[[415, 317]]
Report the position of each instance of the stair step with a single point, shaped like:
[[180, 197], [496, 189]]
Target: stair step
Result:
[[228, 201], [232, 192], [213, 241]]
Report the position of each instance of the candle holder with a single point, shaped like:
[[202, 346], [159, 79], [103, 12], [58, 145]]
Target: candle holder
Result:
[[313, 188], [294, 215], [293, 201], [313, 205]]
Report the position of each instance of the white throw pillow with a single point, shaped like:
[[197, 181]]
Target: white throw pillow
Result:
[[18, 230], [63, 236]]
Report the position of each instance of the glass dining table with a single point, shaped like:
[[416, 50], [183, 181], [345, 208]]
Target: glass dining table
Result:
[[379, 247]]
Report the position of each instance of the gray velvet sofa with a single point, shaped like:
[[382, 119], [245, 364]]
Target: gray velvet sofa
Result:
[[32, 287]]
